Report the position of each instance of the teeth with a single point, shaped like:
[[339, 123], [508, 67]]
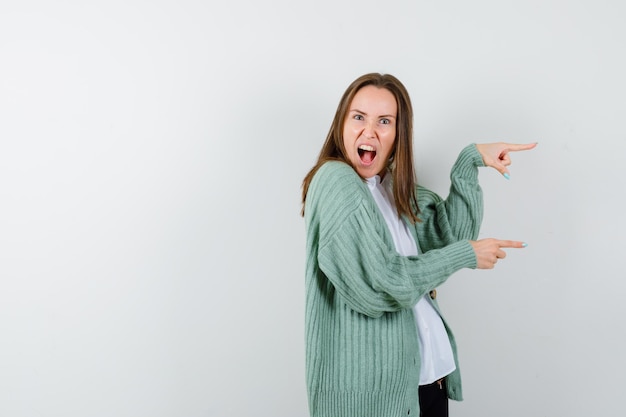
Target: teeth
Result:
[[366, 147]]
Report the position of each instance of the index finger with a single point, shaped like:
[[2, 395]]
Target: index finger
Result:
[[514, 147], [512, 244]]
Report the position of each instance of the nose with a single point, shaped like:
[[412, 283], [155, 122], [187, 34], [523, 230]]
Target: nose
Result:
[[370, 131]]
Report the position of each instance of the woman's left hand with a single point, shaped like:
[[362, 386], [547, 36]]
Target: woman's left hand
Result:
[[496, 155]]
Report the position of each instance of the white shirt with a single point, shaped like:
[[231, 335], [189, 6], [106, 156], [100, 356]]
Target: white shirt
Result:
[[436, 354]]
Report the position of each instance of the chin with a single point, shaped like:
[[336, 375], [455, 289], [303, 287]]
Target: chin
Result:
[[368, 172]]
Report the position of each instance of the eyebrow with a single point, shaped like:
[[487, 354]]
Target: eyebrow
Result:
[[362, 112]]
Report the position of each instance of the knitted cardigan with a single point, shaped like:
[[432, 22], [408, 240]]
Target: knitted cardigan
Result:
[[362, 350]]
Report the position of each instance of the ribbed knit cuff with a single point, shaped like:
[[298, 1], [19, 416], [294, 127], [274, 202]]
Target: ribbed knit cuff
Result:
[[466, 164], [462, 255]]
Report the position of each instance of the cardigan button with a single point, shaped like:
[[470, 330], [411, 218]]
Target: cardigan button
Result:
[[433, 294]]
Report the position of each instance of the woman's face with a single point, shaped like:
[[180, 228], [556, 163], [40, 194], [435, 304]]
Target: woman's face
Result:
[[369, 131]]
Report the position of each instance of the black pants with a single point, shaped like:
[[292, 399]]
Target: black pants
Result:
[[434, 399]]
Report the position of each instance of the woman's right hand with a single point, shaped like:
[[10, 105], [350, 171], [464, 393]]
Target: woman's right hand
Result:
[[496, 155], [488, 251]]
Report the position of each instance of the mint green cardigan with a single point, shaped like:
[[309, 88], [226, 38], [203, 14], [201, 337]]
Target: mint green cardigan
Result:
[[362, 351]]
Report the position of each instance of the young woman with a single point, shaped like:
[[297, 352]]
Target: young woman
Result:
[[377, 247]]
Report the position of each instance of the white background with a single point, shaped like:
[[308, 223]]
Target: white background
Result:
[[151, 156]]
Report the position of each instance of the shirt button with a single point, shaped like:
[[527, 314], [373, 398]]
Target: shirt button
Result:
[[433, 294]]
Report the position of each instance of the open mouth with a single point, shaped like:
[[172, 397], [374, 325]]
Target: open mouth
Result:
[[367, 154]]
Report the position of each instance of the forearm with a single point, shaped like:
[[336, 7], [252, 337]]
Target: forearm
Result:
[[464, 205], [373, 278]]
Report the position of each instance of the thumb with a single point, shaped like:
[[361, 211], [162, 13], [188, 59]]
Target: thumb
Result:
[[501, 168]]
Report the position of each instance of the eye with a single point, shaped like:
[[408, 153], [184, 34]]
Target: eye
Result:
[[358, 117], [385, 121]]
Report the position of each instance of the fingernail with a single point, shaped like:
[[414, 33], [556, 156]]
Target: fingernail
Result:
[[524, 244], [506, 175]]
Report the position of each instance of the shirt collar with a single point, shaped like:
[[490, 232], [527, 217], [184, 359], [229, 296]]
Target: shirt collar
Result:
[[373, 182]]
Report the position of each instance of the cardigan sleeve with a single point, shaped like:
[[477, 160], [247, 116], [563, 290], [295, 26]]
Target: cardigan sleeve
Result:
[[356, 255], [460, 215]]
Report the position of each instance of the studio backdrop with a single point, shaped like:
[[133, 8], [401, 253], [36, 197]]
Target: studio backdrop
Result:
[[151, 158]]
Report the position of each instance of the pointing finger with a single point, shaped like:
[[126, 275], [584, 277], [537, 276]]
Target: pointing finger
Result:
[[515, 147], [512, 244]]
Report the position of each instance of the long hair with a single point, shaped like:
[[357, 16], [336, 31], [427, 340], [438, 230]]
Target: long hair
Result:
[[401, 157]]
